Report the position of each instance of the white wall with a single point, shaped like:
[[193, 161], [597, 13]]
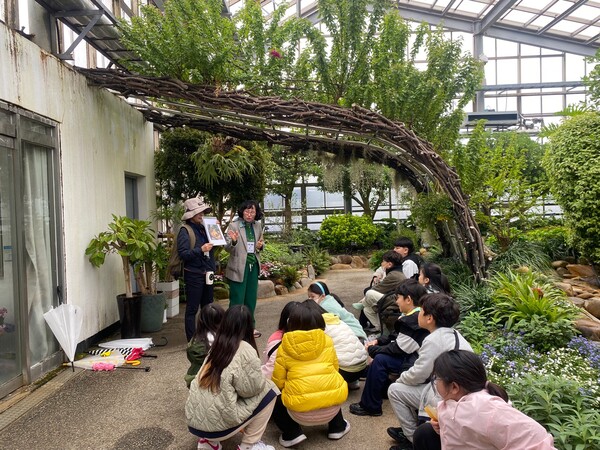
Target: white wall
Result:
[[101, 138]]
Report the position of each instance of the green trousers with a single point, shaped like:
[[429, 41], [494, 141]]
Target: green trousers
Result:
[[245, 292]]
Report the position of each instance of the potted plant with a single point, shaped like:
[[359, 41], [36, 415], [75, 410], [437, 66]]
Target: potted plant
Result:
[[170, 216], [133, 241]]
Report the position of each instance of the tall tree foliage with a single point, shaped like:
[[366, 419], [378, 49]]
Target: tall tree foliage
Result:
[[223, 170], [500, 173], [369, 183], [288, 167], [572, 161], [367, 59]]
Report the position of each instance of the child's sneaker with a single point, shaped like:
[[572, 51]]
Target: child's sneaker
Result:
[[260, 445], [358, 306], [205, 444], [292, 442], [341, 434]]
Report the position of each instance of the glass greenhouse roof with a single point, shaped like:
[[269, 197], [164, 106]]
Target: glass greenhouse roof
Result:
[[567, 25]]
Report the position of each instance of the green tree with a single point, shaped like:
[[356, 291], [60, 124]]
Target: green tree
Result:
[[500, 174], [369, 183], [287, 167], [572, 161], [224, 170]]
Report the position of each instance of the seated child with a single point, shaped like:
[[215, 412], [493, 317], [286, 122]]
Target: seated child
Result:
[[439, 313], [351, 353], [207, 323], [306, 372], [274, 341], [433, 279], [394, 353], [473, 413], [319, 292]]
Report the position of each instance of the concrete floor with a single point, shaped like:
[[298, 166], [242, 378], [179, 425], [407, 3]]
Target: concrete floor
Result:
[[133, 409]]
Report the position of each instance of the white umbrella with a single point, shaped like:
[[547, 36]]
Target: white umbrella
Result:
[[65, 321]]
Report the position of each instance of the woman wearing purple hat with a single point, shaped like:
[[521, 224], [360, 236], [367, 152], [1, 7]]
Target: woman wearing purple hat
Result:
[[197, 261]]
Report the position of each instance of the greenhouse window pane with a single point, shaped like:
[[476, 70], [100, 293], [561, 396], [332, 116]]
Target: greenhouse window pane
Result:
[[334, 200], [507, 71], [530, 70], [575, 67], [506, 48], [552, 103], [529, 50], [531, 105], [552, 69], [314, 198]]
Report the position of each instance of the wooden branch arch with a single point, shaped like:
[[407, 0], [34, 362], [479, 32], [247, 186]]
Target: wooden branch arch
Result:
[[301, 125]]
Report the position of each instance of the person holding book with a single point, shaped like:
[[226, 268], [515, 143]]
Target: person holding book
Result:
[[244, 242]]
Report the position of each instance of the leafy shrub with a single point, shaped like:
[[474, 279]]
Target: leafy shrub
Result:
[[529, 304], [376, 258], [296, 260], [273, 252], [289, 275], [572, 160], [473, 297], [303, 236], [552, 240], [387, 240], [521, 254], [429, 209], [556, 402], [269, 270], [319, 259], [478, 329], [343, 232], [545, 335], [457, 271]]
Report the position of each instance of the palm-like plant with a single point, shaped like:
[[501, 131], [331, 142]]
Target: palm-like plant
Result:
[[519, 296]]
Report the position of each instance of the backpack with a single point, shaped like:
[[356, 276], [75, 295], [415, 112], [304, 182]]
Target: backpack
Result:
[[388, 312], [175, 266]]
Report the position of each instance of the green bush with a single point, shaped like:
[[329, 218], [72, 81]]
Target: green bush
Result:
[[521, 254], [527, 303], [319, 259], [572, 161], [387, 240], [376, 258], [473, 297], [274, 252], [551, 239], [556, 402], [346, 232], [478, 329], [457, 271], [296, 260], [429, 209], [289, 275]]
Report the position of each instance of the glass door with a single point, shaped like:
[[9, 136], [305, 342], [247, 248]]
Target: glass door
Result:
[[11, 357]]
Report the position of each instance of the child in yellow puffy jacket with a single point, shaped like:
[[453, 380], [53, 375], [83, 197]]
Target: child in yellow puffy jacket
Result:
[[306, 372]]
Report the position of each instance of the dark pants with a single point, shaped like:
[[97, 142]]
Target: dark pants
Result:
[[350, 377], [378, 381], [425, 438], [290, 429], [197, 295]]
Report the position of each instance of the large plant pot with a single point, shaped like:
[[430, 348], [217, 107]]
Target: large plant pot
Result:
[[153, 311], [130, 315], [171, 291]]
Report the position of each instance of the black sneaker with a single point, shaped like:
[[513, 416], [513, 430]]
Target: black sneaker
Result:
[[398, 435], [402, 447], [358, 410]]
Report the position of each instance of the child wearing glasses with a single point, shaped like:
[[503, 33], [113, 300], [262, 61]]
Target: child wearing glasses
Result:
[[474, 414]]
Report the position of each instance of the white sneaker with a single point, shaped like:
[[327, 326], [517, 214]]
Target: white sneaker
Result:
[[205, 444], [260, 445], [291, 442], [341, 434]]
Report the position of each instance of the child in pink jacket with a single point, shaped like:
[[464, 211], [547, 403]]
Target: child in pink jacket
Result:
[[474, 413]]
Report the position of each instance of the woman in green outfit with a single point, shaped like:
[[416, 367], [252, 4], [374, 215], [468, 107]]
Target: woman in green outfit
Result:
[[244, 243]]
